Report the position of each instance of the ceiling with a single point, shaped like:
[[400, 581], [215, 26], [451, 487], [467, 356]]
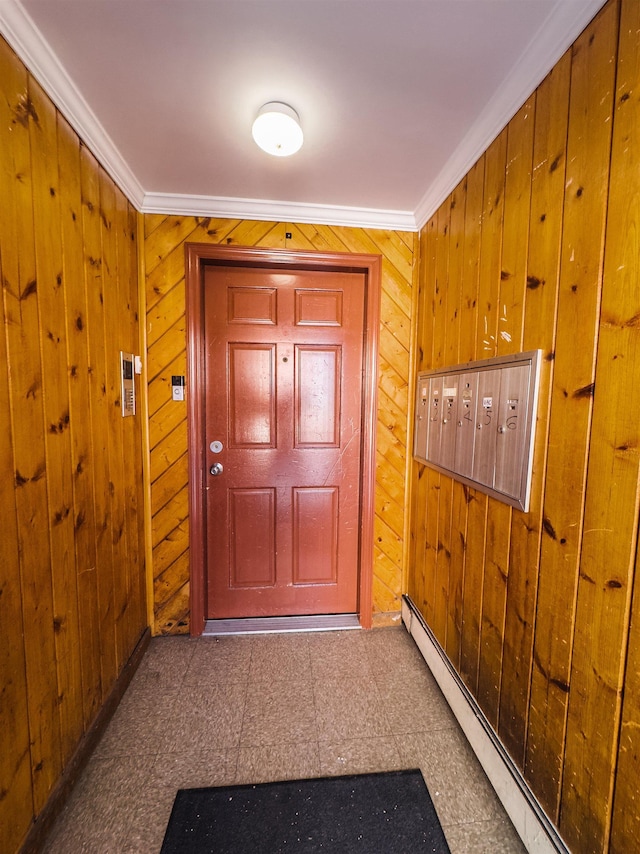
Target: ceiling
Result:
[[397, 98]]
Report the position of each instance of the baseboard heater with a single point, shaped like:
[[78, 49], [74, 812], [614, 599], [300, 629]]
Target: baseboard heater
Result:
[[534, 827]]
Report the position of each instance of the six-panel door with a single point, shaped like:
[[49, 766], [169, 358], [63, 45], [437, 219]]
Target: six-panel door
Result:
[[283, 369]]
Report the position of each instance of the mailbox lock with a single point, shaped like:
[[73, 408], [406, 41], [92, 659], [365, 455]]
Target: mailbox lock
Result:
[[501, 429]]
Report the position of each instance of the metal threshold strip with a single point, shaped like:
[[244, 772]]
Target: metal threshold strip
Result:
[[271, 625]]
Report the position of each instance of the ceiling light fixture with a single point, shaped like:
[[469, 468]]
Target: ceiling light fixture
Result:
[[277, 129]]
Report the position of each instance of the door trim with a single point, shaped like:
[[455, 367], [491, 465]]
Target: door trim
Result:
[[198, 254]]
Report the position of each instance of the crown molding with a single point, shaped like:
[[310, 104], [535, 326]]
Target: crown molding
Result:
[[268, 210], [561, 28], [25, 38]]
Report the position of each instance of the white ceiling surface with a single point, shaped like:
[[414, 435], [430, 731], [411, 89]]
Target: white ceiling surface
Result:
[[397, 98]]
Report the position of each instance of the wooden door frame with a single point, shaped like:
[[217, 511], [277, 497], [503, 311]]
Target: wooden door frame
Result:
[[198, 254]]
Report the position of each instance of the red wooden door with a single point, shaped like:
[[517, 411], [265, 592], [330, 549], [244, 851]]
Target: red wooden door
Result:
[[283, 378]]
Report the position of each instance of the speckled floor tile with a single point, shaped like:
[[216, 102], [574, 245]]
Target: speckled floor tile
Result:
[[359, 756], [498, 837], [189, 769], [101, 807], [148, 825], [283, 657], [338, 655], [220, 660], [278, 762], [140, 727], [206, 718], [403, 695], [393, 653], [458, 785], [349, 709], [278, 713], [168, 658]]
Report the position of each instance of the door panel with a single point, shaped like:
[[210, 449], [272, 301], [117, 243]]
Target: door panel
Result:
[[317, 394], [252, 377], [315, 527], [283, 377], [252, 537]]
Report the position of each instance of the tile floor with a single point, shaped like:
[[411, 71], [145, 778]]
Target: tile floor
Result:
[[248, 709]]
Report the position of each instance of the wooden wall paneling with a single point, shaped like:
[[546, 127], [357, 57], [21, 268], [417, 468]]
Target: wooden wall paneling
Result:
[[518, 632], [16, 807], [459, 494], [625, 830], [545, 237], [611, 509], [420, 477], [127, 300], [473, 527], [586, 182], [545, 232], [55, 395], [439, 495], [497, 540], [81, 424], [116, 339], [20, 287], [91, 223]]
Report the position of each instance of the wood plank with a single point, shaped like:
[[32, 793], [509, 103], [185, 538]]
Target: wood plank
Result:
[[612, 496], [471, 526], [20, 288], [496, 566], [116, 339], [458, 505], [512, 293], [473, 595], [90, 187], [80, 420], [16, 807], [55, 391], [586, 182]]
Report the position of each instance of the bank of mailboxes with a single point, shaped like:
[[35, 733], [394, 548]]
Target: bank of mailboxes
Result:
[[476, 423]]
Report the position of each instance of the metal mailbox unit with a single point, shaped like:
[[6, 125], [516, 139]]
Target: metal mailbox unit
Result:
[[476, 423]]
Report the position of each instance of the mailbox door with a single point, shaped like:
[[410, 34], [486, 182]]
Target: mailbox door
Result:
[[435, 420], [421, 417], [511, 430], [466, 423], [484, 458], [449, 421]]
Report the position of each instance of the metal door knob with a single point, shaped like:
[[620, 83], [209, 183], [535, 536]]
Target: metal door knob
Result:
[[216, 469]]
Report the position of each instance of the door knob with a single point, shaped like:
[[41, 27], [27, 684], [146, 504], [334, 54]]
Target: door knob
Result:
[[216, 469]]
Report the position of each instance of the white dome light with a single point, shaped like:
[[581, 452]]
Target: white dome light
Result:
[[277, 129]]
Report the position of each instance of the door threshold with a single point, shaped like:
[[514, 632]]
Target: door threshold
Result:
[[271, 625]]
